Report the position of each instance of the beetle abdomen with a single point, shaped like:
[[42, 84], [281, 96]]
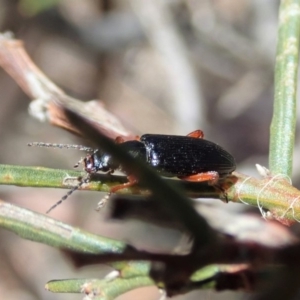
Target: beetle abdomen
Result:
[[179, 156]]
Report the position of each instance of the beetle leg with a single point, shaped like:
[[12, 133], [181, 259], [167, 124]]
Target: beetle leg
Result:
[[131, 181], [198, 134], [119, 140], [212, 177]]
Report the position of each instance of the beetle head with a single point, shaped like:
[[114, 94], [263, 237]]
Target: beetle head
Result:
[[98, 162]]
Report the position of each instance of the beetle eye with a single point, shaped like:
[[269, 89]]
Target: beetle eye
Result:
[[89, 164]]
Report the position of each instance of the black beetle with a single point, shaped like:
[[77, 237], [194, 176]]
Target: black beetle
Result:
[[190, 158]]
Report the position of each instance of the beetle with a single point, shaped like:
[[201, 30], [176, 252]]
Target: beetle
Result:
[[190, 158]]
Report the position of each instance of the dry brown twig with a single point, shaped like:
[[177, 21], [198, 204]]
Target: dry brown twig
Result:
[[46, 96]]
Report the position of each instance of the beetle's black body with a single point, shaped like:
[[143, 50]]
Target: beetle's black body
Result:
[[171, 156], [187, 157], [183, 155]]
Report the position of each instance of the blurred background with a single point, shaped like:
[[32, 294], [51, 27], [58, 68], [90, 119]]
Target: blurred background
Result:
[[160, 67]]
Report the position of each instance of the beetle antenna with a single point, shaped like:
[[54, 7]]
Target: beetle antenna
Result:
[[61, 146], [78, 163], [70, 192]]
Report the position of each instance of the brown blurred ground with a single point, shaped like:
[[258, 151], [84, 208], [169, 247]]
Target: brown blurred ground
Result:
[[161, 67]]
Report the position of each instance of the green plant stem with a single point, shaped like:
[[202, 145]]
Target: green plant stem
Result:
[[283, 126], [40, 228], [112, 288], [275, 195], [43, 229], [56, 178], [106, 289], [53, 178]]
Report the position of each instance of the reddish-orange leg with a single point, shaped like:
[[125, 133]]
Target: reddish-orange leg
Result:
[[131, 181], [211, 176], [119, 139], [198, 134]]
